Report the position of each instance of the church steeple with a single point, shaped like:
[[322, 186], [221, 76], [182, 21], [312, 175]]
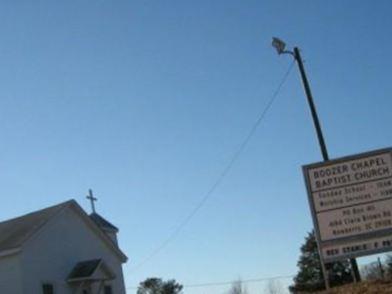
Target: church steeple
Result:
[[109, 229]]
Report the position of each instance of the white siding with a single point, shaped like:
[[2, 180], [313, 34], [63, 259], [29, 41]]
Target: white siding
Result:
[[10, 275], [64, 241]]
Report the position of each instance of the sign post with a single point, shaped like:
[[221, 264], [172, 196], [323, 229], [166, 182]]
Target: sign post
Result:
[[351, 203]]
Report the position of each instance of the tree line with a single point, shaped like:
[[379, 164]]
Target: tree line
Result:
[[308, 279]]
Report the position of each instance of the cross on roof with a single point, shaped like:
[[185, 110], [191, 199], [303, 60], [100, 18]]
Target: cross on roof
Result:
[[92, 199]]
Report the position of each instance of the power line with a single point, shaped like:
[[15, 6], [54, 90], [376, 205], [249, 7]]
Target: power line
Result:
[[247, 281], [221, 176]]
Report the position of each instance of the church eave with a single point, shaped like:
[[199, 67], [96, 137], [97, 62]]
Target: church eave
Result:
[[11, 251]]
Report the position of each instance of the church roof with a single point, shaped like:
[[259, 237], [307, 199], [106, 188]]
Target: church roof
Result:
[[15, 232], [101, 222], [89, 270]]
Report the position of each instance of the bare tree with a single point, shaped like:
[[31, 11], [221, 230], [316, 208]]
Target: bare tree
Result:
[[238, 288], [274, 287], [158, 286], [372, 271]]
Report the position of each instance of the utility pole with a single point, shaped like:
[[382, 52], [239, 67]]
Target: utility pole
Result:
[[317, 126], [280, 47]]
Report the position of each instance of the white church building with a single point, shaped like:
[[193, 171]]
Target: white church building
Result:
[[60, 250]]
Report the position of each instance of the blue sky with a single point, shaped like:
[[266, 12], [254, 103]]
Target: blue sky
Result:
[[146, 102]]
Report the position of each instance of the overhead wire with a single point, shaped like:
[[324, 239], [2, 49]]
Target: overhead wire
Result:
[[220, 177]]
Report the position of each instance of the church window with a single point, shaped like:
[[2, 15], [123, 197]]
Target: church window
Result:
[[47, 288], [107, 290]]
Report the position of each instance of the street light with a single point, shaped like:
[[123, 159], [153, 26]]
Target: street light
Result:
[[280, 47]]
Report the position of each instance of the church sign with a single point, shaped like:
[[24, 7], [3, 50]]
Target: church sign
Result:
[[351, 203]]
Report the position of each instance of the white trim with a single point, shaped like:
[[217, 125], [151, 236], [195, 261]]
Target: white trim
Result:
[[10, 251]]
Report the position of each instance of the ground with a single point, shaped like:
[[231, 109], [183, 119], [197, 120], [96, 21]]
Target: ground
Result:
[[368, 287]]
